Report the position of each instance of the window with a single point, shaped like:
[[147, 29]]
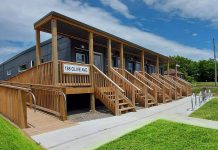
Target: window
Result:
[[42, 60], [138, 66], [8, 72], [80, 58], [22, 68]]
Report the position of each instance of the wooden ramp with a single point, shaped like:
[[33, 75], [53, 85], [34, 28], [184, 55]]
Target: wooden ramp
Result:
[[40, 122]]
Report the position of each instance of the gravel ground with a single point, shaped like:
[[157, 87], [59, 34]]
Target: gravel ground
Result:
[[85, 114]]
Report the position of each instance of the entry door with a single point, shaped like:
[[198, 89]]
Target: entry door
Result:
[[98, 60], [130, 67]]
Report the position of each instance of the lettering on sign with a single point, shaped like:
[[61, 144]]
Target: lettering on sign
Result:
[[75, 69]]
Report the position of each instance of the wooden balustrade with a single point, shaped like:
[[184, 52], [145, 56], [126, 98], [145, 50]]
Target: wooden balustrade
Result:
[[172, 89], [50, 99], [187, 87], [155, 87], [177, 85], [41, 74], [164, 93], [108, 91], [74, 79], [129, 88], [13, 104], [146, 90]]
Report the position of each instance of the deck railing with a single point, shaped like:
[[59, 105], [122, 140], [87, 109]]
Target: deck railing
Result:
[[165, 91], [155, 87], [41, 74], [172, 90], [129, 88], [13, 104], [145, 89], [177, 85], [50, 99], [74, 79], [187, 87], [102, 85]]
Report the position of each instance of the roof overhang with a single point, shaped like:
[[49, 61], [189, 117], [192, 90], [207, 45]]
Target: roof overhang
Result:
[[67, 25]]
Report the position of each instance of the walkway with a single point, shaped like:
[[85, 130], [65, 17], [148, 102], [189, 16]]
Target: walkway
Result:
[[40, 122], [91, 134]]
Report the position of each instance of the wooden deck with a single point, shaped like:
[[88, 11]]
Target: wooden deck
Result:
[[40, 122]]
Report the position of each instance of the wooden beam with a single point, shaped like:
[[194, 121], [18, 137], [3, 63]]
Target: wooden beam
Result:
[[143, 62], [168, 67], [38, 48], [91, 51], [109, 54], [157, 66], [121, 58], [54, 51]]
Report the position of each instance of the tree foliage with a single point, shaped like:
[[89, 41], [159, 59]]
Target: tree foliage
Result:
[[200, 71]]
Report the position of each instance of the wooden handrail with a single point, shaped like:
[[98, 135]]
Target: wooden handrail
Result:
[[13, 103], [55, 104], [108, 91], [163, 81], [107, 78], [182, 80], [156, 80], [172, 81], [15, 87], [124, 79], [137, 80], [147, 80]]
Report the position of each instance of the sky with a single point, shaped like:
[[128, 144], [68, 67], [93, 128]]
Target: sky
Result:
[[169, 27]]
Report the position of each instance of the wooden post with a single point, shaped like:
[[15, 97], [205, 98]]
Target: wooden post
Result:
[[168, 67], [143, 62], [91, 51], [23, 110], [157, 66], [176, 70], [38, 48], [121, 58], [54, 51], [91, 62], [109, 54]]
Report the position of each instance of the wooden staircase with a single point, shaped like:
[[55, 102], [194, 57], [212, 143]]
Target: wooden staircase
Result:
[[175, 90], [186, 86], [177, 85], [163, 93], [110, 94], [143, 97]]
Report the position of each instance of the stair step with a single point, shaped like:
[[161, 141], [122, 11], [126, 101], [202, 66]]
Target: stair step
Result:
[[126, 108], [120, 104], [151, 103], [168, 100]]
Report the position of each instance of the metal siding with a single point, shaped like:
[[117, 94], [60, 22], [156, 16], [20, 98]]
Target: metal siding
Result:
[[13, 65]]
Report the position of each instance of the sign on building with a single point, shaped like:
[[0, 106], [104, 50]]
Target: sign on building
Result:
[[75, 69]]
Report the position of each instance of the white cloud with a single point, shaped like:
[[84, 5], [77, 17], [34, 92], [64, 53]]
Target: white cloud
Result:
[[194, 34], [201, 9], [17, 25], [118, 6]]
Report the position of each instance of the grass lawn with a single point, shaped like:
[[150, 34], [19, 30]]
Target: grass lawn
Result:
[[208, 111], [163, 135], [197, 87], [12, 138]]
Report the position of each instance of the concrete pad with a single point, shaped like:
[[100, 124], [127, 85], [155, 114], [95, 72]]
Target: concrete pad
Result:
[[91, 134]]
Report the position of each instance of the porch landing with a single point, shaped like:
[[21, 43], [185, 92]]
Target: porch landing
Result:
[[40, 122], [78, 90]]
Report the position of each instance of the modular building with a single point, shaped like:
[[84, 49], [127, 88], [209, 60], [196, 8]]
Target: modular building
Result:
[[81, 60]]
